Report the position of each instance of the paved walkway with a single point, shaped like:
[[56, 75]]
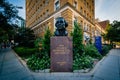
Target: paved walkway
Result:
[[12, 69], [109, 68]]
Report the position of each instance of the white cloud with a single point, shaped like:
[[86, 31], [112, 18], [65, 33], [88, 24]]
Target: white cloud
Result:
[[105, 9]]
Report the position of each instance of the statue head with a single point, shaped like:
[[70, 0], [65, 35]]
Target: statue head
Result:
[[61, 23]]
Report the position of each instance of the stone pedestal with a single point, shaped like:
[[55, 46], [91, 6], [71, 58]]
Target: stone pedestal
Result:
[[61, 54]]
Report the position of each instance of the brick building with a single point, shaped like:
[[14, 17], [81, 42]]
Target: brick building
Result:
[[43, 13]]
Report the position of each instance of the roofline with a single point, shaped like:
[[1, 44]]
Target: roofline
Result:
[[66, 6]]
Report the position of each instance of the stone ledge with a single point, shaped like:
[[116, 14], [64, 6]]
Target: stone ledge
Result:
[[82, 71], [43, 71]]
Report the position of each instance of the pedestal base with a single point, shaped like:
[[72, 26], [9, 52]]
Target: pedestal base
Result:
[[61, 54]]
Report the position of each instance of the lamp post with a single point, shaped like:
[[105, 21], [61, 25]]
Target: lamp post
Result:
[[22, 21], [16, 22], [19, 7]]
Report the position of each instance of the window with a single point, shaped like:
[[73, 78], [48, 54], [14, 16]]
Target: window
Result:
[[87, 5], [43, 13], [90, 8], [92, 1], [90, 17], [97, 33], [81, 23], [75, 19], [43, 2], [93, 31], [41, 5], [81, 10], [75, 4], [85, 13], [85, 2], [47, 12], [88, 28], [86, 37], [85, 27], [46, 2], [40, 17], [57, 5]]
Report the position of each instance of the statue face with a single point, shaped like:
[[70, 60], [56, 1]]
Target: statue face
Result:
[[60, 23]]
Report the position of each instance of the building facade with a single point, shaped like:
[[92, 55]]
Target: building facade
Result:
[[41, 14]]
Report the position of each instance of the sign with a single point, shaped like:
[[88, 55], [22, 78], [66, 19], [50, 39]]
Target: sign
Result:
[[61, 54], [98, 43]]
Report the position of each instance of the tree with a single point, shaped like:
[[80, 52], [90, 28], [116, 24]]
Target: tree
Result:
[[46, 42], [113, 33], [8, 12], [38, 43], [42, 59], [25, 37], [80, 60], [77, 34]]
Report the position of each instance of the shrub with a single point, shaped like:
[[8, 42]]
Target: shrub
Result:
[[82, 62], [37, 42], [42, 59], [36, 63], [92, 51], [110, 46], [77, 34], [24, 51], [46, 42], [105, 49]]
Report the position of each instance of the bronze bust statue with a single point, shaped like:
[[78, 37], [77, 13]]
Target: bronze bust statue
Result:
[[61, 25]]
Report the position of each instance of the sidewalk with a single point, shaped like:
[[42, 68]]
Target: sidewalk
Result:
[[109, 68], [12, 69]]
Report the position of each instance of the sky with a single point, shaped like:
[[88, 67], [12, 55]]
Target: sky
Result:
[[19, 3], [107, 10], [104, 9]]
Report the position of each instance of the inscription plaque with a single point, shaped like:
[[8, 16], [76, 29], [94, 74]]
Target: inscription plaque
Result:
[[61, 54]]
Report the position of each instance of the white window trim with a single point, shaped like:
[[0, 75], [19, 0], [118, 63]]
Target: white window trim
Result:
[[86, 35], [55, 6], [76, 5]]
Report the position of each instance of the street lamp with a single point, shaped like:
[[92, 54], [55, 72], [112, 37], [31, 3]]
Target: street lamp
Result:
[[16, 22], [20, 18], [19, 7]]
